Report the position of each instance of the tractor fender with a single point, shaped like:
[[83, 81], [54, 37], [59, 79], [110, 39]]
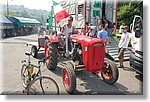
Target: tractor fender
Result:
[[52, 38]]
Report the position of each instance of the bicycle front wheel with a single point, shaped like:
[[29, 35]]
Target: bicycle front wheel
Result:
[[25, 77], [43, 86]]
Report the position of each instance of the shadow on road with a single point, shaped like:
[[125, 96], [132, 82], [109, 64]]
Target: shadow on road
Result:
[[57, 71], [96, 86], [128, 69], [139, 77]]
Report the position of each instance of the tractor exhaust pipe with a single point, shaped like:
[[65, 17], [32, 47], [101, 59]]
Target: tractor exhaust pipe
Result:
[[67, 49], [68, 53]]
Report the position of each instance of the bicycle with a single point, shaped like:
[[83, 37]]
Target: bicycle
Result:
[[35, 83]]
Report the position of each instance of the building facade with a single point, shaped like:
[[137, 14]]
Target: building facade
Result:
[[89, 11]]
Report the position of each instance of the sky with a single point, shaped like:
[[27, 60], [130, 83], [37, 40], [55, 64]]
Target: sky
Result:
[[31, 4]]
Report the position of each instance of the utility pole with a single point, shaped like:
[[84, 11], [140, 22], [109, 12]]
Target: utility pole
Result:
[[103, 8], [84, 13], [54, 18], [7, 9]]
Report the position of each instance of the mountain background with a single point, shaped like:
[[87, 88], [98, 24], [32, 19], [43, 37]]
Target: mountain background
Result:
[[21, 11]]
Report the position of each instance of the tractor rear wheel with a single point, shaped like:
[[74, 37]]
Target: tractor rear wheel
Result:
[[109, 72], [69, 78], [51, 55]]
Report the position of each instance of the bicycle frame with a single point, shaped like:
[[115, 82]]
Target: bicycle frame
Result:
[[38, 73], [39, 70]]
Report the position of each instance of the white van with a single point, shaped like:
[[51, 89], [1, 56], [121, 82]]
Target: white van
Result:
[[136, 55]]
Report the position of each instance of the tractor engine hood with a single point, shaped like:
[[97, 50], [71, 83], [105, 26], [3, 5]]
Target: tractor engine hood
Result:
[[86, 40]]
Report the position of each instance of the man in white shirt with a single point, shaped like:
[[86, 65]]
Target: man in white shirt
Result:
[[67, 30], [123, 44]]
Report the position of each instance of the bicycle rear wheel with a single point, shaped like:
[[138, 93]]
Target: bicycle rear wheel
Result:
[[43, 86]]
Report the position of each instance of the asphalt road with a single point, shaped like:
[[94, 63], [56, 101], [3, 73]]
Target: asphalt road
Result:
[[12, 53]]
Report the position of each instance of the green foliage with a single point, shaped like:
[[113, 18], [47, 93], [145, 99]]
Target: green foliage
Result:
[[127, 11], [25, 14]]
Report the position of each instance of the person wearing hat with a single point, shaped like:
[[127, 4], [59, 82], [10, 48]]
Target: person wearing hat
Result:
[[123, 44]]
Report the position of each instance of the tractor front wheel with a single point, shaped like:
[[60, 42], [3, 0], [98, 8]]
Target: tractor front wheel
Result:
[[109, 72], [69, 78]]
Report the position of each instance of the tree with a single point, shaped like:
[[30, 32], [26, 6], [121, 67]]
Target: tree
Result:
[[127, 11], [25, 14]]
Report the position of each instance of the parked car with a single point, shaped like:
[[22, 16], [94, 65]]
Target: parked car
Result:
[[136, 61], [136, 55]]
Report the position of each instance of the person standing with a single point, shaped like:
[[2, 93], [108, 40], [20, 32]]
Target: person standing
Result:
[[109, 27], [114, 31], [102, 34], [123, 44], [120, 29], [84, 31], [86, 28]]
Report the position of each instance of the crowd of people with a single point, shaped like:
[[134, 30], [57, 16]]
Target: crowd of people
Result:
[[106, 28]]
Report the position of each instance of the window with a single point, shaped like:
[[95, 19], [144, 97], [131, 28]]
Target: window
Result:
[[80, 8]]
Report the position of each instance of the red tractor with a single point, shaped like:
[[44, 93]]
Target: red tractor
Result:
[[86, 52]]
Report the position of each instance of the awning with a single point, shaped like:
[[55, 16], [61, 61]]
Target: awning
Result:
[[4, 20], [24, 21], [5, 23]]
